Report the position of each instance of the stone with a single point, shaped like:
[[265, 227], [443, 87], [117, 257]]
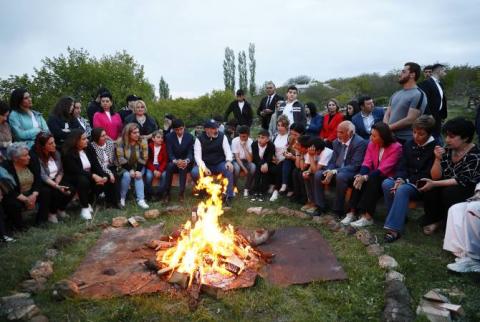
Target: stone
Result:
[[51, 253], [139, 218], [119, 221], [365, 237], [39, 318], [254, 210], [375, 250], [133, 222], [151, 214], [19, 306], [34, 285], [334, 226], [174, 209], [300, 214], [387, 262], [64, 289], [267, 211], [324, 220], [397, 302], [226, 209], [41, 269], [317, 219], [394, 276], [284, 211], [349, 230]]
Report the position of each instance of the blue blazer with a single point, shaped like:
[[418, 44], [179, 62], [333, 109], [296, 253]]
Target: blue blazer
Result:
[[179, 151], [354, 158], [357, 120]]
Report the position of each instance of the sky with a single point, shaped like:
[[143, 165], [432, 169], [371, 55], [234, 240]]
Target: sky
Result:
[[184, 41]]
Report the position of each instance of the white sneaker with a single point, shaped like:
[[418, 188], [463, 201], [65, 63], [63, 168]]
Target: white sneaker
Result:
[[8, 239], [86, 214], [362, 222], [122, 202], [53, 218], [468, 265], [350, 217], [283, 188], [142, 204], [274, 196], [62, 214], [90, 208], [245, 193]]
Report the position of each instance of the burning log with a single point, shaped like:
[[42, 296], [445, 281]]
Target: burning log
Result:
[[160, 244]]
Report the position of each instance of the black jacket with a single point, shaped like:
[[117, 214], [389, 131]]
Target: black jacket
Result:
[[148, 126], [416, 161], [180, 151], [434, 100], [72, 166], [57, 126], [93, 108], [267, 156], [263, 105], [243, 117]]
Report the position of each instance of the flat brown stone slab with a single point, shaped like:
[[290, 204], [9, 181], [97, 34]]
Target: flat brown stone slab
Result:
[[301, 256]]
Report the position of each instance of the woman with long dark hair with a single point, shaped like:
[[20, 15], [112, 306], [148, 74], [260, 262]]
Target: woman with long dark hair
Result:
[[314, 119], [107, 118], [59, 120], [77, 121]]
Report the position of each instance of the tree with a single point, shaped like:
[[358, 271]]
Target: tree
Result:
[[229, 70], [252, 67], [242, 71], [163, 89], [299, 80]]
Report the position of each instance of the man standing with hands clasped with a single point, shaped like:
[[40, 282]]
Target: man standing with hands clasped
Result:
[[268, 104]]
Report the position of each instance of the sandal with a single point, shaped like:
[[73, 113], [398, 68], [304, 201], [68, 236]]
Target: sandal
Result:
[[391, 236], [430, 229]]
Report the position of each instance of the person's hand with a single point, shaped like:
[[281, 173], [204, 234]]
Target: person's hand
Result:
[[138, 175], [328, 177], [229, 166], [306, 174], [429, 185], [244, 169], [157, 173], [132, 173], [112, 178], [65, 190], [397, 184], [268, 111], [358, 182], [98, 180], [438, 151], [31, 200], [207, 172], [264, 168], [289, 155]]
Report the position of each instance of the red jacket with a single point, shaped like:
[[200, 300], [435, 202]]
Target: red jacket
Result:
[[329, 130], [162, 157]]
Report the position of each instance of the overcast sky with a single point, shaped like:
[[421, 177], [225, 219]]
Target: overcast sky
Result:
[[184, 40]]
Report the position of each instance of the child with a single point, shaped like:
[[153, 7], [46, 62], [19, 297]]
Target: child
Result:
[[300, 148], [156, 165], [263, 151], [242, 152]]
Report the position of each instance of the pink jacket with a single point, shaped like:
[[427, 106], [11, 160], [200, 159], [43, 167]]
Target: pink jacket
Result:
[[113, 127], [390, 158]]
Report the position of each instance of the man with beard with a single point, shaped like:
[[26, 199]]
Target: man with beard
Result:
[[407, 104], [268, 104]]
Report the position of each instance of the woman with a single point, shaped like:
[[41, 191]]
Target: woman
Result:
[[81, 170], [156, 164], [5, 131], [25, 122], [330, 122], [132, 155], [77, 121], [59, 120], [104, 150], [51, 173], [167, 123], [107, 118], [415, 164], [146, 123], [381, 158], [352, 109], [454, 173], [280, 141], [314, 120], [27, 192]]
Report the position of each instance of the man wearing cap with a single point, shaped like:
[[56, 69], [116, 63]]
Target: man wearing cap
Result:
[[436, 99], [241, 109], [213, 156], [128, 110], [180, 157]]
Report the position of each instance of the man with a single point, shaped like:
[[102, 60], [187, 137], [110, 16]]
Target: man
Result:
[[242, 151], [292, 109], [242, 111], [436, 99], [263, 152], [427, 71], [407, 104], [180, 156], [213, 156], [94, 105], [347, 157], [268, 104], [369, 115], [128, 110]]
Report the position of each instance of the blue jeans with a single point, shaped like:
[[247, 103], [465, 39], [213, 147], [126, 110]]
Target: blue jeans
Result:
[[397, 204], [342, 181], [287, 166], [217, 169], [158, 190], [125, 184]]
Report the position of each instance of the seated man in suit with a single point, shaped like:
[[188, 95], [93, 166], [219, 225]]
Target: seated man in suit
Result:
[[348, 152], [213, 156], [369, 115], [180, 157]]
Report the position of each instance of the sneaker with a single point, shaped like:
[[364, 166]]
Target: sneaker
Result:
[[142, 204], [290, 194], [274, 196], [245, 193], [90, 208], [350, 217], [53, 218], [311, 210], [86, 214], [122, 202], [283, 189], [362, 222], [467, 265], [62, 214], [8, 239]]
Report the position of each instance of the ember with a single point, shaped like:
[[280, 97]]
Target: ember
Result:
[[204, 251]]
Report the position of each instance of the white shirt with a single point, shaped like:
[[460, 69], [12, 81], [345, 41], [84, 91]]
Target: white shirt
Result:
[[82, 124], [368, 121], [281, 144], [34, 120], [261, 150], [85, 162], [241, 105], [237, 148], [179, 138], [437, 82], [288, 112], [156, 151], [108, 115], [322, 158], [197, 152], [52, 168]]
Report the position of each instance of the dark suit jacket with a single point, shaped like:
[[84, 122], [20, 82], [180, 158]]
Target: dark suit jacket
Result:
[[357, 120], [355, 154], [243, 117], [72, 165], [434, 100], [177, 151], [263, 105], [267, 156]]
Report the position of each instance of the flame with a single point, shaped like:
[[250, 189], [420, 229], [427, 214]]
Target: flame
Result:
[[204, 245]]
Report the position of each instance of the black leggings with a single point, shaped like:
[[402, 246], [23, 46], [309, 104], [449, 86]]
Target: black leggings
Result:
[[365, 199]]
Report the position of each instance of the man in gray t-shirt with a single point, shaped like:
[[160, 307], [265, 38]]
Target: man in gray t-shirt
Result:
[[407, 104]]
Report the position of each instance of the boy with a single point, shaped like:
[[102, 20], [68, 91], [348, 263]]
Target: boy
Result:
[[263, 151], [242, 152]]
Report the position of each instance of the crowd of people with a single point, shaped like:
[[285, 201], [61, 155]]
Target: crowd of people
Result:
[[402, 153]]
